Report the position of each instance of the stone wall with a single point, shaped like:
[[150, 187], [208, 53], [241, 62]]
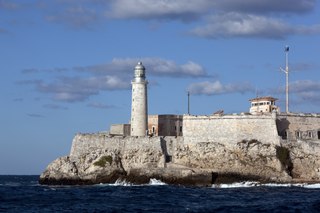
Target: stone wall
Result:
[[294, 127], [244, 147], [120, 129], [230, 128], [135, 152]]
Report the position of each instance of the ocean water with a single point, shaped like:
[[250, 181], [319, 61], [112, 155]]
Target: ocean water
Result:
[[24, 194]]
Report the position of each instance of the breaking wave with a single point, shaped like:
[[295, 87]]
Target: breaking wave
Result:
[[121, 182], [155, 182], [257, 184]]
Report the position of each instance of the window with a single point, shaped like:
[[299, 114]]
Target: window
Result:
[[298, 134], [285, 135], [181, 129], [318, 134], [310, 134], [153, 129]]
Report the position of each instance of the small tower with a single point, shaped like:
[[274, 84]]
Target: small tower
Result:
[[139, 102], [262, 105]]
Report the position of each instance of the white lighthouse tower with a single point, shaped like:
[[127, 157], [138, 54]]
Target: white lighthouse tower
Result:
[[139, 103]]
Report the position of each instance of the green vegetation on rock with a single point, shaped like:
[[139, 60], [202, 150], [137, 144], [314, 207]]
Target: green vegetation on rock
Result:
[[103, 160]]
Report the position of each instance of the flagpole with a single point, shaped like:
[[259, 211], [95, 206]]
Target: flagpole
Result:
[[286, 71], [188, 103]]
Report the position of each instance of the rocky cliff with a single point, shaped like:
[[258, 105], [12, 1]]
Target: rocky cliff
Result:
[[99, 158]]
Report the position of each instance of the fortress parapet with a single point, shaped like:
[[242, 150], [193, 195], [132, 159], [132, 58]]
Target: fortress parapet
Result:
[[230, 128], [299, 126]]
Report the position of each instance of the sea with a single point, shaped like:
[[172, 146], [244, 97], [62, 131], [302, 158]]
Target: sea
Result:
[[24, 194]]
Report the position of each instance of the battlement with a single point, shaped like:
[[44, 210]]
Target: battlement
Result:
[[230, 128]]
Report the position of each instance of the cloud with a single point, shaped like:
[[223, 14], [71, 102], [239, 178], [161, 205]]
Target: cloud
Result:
[[36, 70], [55, 106], [8, 5], [216, 88], [303, 91], [304, 86], [224, 19], [115, 75], [155, 9], [186, 10], [73, 89], [18, 99], [253, 18], [3, 31], [154, 66], [269, 6], [34, 115], [76, 17], [100, 105], [229, 25], [302, 67]]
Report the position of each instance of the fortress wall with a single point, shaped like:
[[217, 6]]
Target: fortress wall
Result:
[[230, 128], [135, 152], [308, 126]]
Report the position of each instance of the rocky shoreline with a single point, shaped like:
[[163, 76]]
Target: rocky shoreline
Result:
[[98, 159]]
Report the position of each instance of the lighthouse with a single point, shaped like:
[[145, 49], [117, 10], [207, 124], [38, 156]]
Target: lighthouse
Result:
[[139, 103]]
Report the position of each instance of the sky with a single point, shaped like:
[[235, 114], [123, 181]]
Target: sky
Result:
[[67, 65]]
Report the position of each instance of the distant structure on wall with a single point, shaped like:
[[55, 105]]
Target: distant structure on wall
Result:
[[139, 104], [263, 105], [165, 125]]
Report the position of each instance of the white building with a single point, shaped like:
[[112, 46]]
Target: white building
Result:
[[139, 103], [263, 105]]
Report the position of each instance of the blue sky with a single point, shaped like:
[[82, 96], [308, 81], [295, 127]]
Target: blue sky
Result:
[[66, 65]]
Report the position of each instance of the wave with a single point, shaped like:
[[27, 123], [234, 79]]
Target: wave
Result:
[[257, 184], [155, 182], [236, 185], [121, 182]]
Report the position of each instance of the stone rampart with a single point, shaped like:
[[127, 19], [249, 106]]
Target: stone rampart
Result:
[[294, 127], [244, 147], [135, 152], [230, 128]]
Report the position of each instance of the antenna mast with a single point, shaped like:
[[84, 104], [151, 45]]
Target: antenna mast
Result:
[[188, 103], [286, 71]]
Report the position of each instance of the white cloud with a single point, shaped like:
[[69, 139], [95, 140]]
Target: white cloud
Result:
[[154, 66], [100, 105], [216, 88], [158, 9], [55, 106], [115, 75], [190, 10], [76, 17], [8, 5], [305, 86], [269, 6], [80, 89], [303, 92], [255, 18], [229, 25]]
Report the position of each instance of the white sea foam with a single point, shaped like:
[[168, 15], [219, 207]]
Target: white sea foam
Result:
[[155, 182], [121, 182], [257, 184], [312, 186], [236, 185], [277, 184]]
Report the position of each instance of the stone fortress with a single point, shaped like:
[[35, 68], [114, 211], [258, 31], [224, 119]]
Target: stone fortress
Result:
[[263, 145], [264, 120]]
